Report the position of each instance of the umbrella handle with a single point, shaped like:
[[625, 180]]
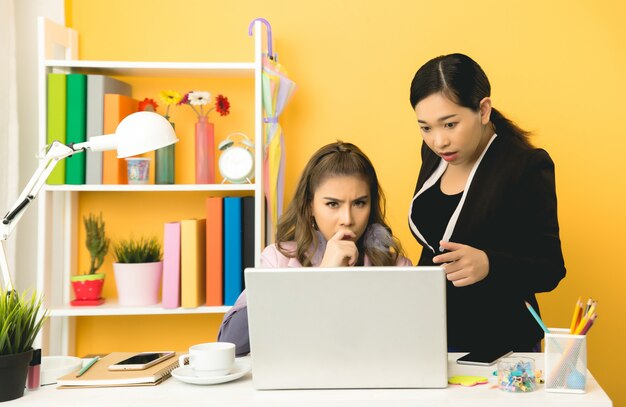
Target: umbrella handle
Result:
[[270, 54]]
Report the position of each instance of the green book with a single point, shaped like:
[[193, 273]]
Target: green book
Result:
[[56, 121], [76, 126]]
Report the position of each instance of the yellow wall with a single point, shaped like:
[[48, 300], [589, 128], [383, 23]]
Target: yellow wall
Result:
[[556, 67]]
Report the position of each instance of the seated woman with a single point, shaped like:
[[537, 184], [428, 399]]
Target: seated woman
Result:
[[336, 219]]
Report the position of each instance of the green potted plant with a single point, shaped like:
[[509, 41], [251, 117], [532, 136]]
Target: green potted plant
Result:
[[88, 287], [21, 319], [138, 271]]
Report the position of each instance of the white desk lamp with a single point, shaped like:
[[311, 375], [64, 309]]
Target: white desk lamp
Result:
[[138, 133]]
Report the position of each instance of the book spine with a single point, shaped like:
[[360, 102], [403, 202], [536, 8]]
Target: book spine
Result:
[[193, 267], [233, 281], [116, 108], [97, 87], [214, 251], [56, 116], [76, 127], [247, 232], [171, 265]]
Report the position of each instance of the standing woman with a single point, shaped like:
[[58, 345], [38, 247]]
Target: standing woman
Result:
[[484, 208], [336, 219]]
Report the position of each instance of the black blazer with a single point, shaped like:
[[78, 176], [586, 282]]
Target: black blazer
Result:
[[510, 213]]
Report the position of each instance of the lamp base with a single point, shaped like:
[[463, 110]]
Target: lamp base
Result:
[[77, 303]]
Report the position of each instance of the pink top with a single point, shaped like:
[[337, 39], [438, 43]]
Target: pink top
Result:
[[273, 258]]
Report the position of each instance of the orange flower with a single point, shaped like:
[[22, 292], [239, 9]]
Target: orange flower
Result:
[[148, 104]]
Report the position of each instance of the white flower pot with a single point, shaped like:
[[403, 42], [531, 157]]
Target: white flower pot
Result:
[[138, 283]]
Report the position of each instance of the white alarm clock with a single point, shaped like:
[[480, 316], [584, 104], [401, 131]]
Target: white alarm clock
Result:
[[236, 163]]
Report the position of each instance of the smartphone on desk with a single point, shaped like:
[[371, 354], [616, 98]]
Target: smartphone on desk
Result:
[[142, 360], [482, 358]]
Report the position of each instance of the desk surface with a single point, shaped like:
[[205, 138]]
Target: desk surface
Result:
[[242, 393]]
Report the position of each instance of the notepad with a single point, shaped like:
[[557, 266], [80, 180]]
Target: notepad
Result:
[[99, 374]]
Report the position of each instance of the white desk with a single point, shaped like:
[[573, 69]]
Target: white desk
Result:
[[242, 393]]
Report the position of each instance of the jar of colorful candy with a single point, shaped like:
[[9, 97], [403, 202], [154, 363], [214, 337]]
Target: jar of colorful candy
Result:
[[516, 374]]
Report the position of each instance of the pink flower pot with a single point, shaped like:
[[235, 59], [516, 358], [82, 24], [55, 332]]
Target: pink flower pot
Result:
[[138, 284]]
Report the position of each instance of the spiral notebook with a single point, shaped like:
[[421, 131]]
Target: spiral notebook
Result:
[[99, 374]]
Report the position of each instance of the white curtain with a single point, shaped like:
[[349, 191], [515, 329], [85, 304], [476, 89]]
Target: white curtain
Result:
[[8, 119]]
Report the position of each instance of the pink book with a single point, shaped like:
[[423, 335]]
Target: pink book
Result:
[[171, 265]]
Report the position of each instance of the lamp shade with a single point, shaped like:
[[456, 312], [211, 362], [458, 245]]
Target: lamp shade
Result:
[[141, 132]]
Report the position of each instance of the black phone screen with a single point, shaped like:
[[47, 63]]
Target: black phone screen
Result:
[[483, 357], [141, 359]]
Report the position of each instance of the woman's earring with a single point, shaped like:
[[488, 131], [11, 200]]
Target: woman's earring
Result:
[[314, 224]]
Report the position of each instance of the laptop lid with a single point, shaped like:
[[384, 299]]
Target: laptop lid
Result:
[[374, 327]]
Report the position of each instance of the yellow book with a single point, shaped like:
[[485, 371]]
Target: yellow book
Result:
[[192, 262]]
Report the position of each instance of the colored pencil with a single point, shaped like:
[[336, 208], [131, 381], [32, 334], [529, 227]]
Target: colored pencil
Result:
[[576, 316], [589, 302], [537, 318], [589, 324], [585, 319], [88, 366]]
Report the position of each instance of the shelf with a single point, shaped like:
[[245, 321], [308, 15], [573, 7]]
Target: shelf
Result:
[[151, 188], [59, 210], [111, 308], [156, 69]]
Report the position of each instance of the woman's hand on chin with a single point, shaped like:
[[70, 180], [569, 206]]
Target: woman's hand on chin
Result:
[[340, 251]]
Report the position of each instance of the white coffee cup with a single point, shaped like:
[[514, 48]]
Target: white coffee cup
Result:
[[210, 359]]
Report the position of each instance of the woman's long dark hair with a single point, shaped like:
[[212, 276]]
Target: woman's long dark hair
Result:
[[296, 224], [462, 80]]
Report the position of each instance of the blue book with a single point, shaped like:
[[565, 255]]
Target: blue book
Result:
[[233, 270]]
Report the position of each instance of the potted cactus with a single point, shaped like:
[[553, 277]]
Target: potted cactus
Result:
[[138, 270], [21, 319], [88, 287]]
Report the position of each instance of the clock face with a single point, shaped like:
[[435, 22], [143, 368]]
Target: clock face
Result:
[[236, 164]]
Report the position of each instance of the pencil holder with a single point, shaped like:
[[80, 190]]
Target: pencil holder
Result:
[[565, 361]]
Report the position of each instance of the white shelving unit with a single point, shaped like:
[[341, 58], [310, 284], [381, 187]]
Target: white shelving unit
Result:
[[152, 188], [57, 244]]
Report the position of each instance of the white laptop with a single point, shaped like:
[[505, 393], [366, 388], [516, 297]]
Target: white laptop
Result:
[[374, 327]]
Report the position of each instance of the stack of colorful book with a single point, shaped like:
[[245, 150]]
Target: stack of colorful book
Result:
[[80, 106], [204, 259]]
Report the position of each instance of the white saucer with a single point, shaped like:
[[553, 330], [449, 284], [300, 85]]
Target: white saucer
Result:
[[186, 374]]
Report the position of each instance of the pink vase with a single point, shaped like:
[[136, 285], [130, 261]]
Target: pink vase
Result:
[[205, 152]]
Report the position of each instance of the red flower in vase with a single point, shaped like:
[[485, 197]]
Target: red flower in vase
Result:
[[222, 105], [199, 102]]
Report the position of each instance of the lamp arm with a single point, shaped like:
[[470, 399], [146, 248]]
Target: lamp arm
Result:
[[98, 143], [4, 266], [55, 153]]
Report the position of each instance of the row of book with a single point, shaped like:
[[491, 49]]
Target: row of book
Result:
[[204, 259], [80, 106]]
